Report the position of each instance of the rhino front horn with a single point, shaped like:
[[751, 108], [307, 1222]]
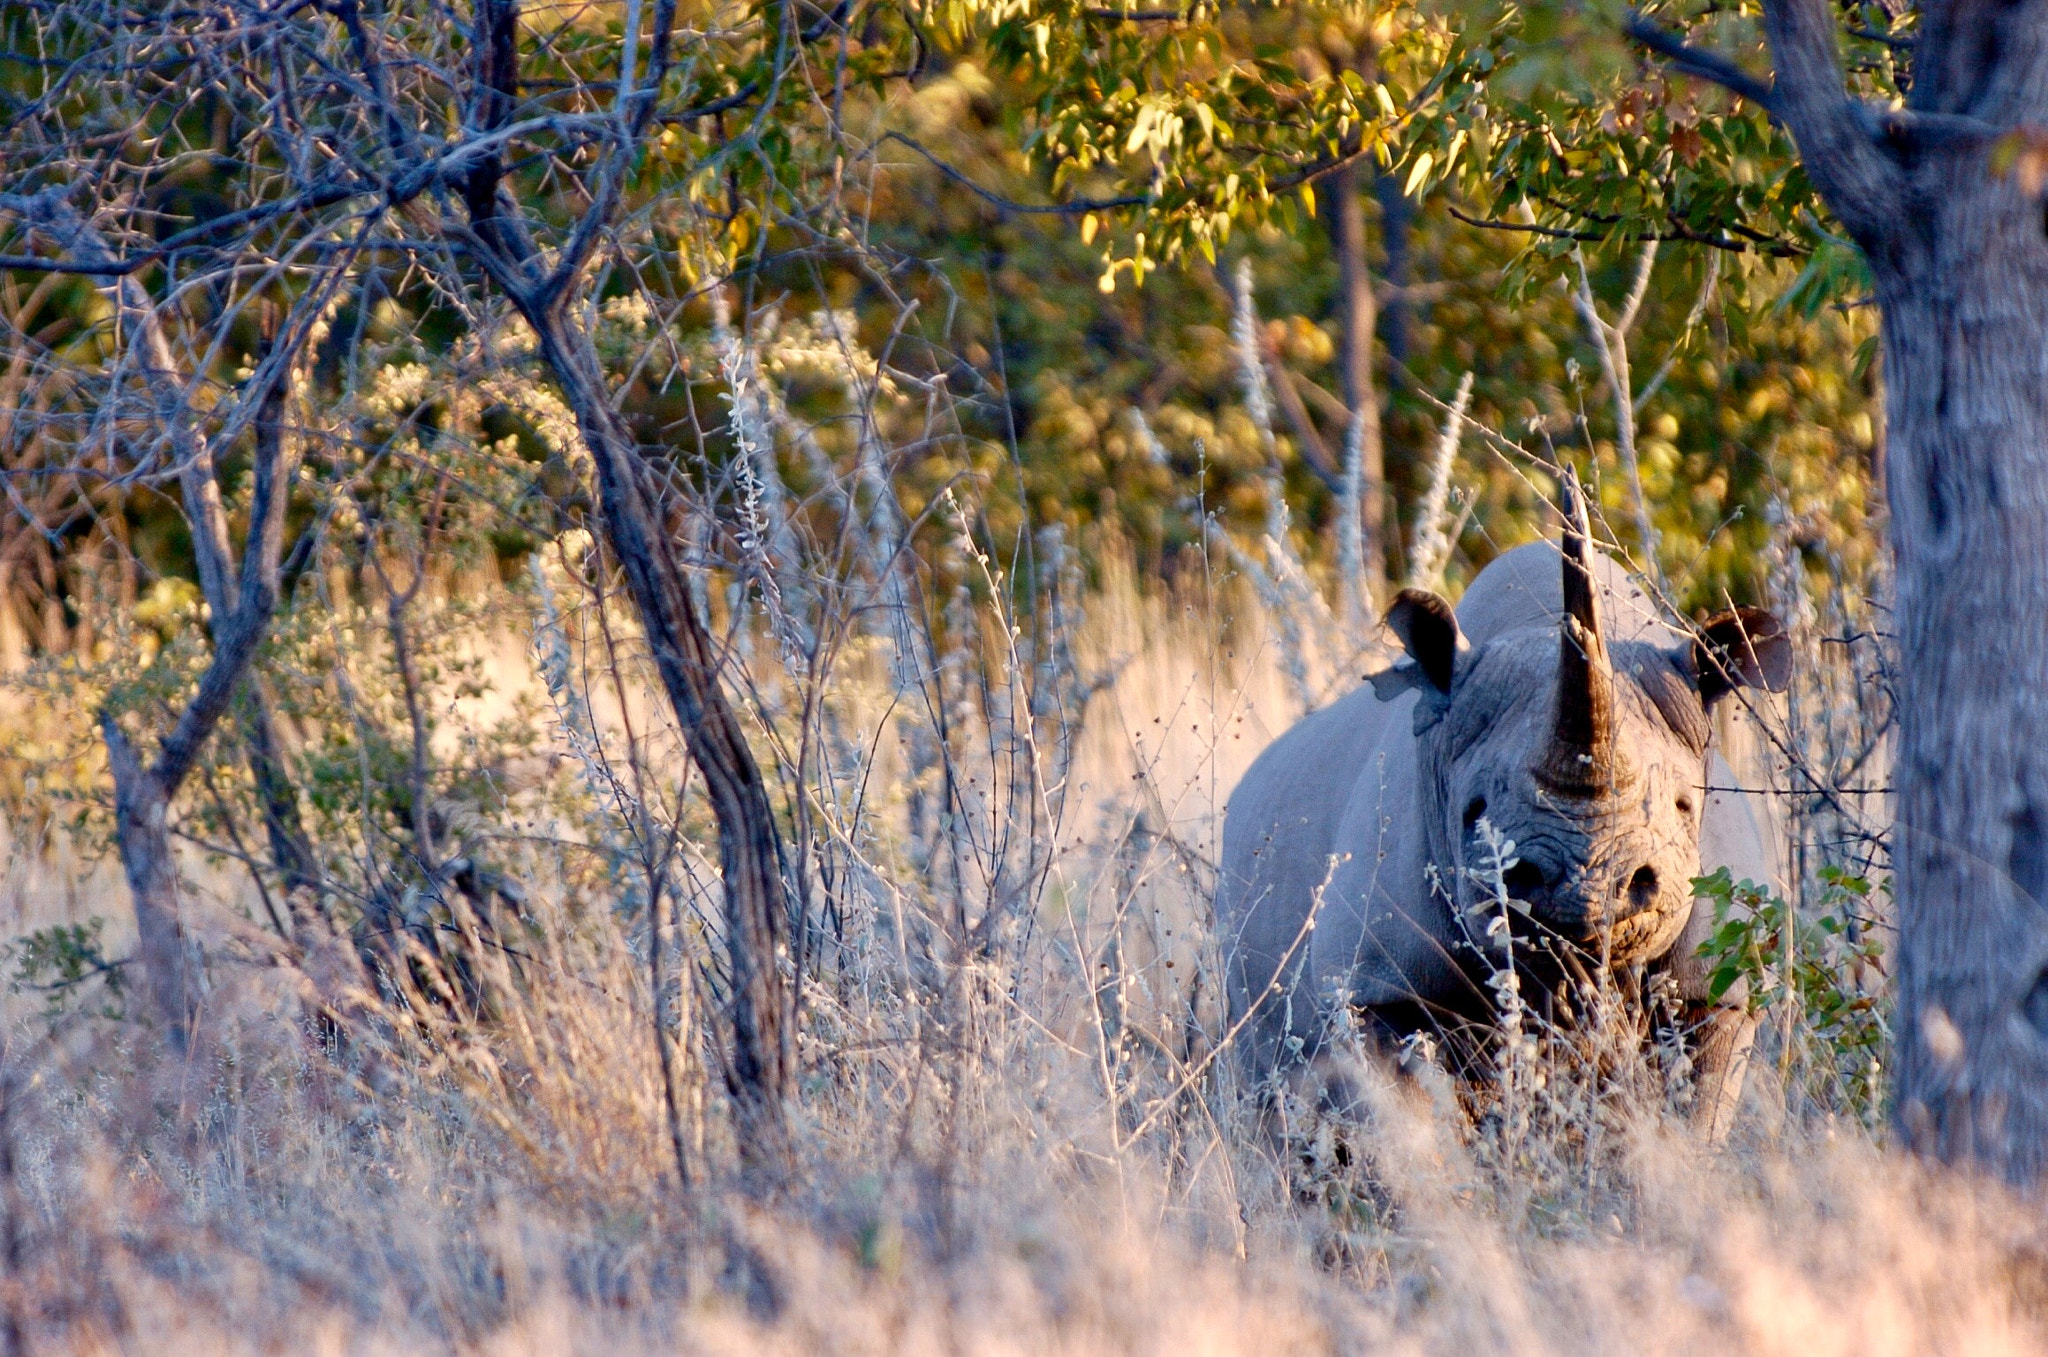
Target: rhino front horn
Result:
[[1581, 754]]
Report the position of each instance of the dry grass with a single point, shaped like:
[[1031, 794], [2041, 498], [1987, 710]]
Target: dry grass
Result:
[[1018, 1151]]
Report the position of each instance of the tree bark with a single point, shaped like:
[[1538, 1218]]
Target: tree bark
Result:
[[290, 849], [1957, 248], [142, 832], [1966, 367], [142, 795]]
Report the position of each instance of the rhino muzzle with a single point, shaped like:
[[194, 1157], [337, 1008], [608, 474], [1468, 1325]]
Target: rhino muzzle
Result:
[[1587, 911]]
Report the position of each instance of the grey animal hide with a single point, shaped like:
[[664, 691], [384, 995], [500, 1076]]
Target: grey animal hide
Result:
[[1343, 816]]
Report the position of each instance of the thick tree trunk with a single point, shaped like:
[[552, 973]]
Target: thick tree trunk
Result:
[[762, 1076], [240, 612], [634, 510], [1956, 242], [1965, 305]]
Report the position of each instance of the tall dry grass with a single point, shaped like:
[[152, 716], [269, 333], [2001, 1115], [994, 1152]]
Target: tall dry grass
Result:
[[1019, 1130], [1020, 1126]]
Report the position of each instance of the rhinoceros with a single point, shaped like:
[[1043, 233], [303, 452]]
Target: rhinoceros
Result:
[[1552, 708]]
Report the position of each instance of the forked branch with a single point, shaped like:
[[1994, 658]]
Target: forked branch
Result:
[[1842, 142]]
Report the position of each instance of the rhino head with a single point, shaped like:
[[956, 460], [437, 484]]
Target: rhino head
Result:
[[1589, 751]]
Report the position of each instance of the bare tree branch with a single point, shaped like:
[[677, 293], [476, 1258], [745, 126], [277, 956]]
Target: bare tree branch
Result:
[[1702, 64], [1775, 249], [1070, 209]]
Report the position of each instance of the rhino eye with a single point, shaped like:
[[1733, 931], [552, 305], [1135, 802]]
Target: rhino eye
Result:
[[1473, 811], [1685, 805]]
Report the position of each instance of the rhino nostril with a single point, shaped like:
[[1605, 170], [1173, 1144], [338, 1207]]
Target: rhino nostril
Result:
[[1523, 880], [1642, 889]]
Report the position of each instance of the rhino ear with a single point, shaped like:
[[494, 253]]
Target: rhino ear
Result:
[[1428, 629], [1744, 648]]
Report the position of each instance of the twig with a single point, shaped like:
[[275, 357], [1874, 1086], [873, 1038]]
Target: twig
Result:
[[1773, 249], [1070, 209], [1702, 64], [1432, 544], [1611, 343]]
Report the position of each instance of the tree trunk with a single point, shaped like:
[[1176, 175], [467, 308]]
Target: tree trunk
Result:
[[762, 1075], [1360, 314], [1397, 231], [142, 795], [240, 609], [289, 846], [1956, 240], [141, 828], [1965, 307], [634, 510]]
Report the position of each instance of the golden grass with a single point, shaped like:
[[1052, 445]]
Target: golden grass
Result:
[[995, 1156]]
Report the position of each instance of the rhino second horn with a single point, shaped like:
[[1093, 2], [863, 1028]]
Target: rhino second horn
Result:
[[1581, 754]]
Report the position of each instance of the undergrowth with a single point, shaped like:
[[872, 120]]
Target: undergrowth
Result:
[[467, 1091]]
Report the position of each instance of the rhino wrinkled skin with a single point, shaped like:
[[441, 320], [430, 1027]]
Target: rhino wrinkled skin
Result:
[[1574, 722]]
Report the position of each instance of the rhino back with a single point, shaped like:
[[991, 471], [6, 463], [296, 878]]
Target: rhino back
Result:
[[1278, 835], [1383, 936]]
